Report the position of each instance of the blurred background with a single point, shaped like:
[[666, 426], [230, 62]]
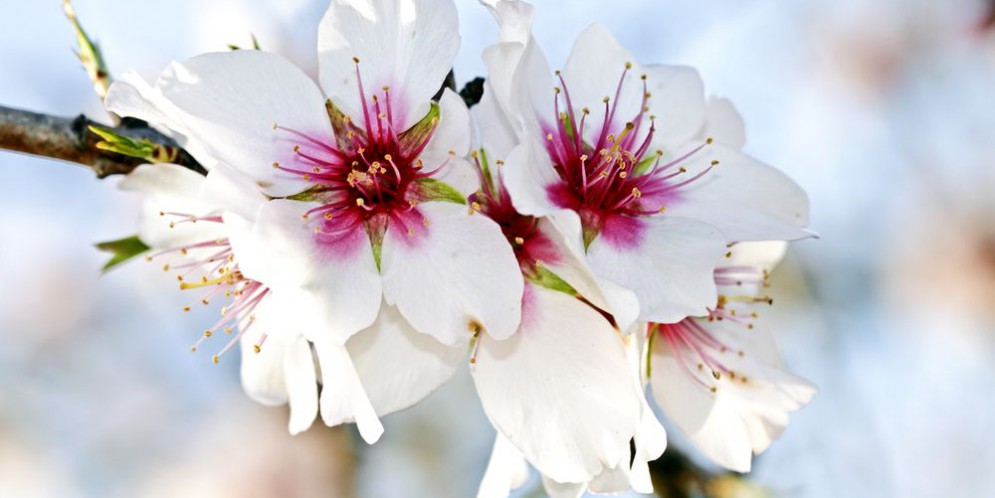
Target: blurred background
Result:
[[883, 111]]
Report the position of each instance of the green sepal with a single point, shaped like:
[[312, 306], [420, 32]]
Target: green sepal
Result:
[[644, 165], [567, 125], [376, 228], [430, 189], [413, 138], [485, 167], [309, 195], [544, 278], [649, 347], [122, 249], [140, 148], [589, 233]]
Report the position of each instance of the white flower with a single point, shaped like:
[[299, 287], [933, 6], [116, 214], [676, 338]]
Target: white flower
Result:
[[366, 240], [642, 173], [719, 377], [198, 225], [559, 390]]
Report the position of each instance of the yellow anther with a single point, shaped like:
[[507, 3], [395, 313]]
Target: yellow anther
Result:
[[208, 333], [636, 192], [519, 240], [255, 347], [215, 359], [709, 140]]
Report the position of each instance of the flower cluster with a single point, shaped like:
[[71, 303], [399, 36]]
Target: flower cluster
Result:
[[576, 236]]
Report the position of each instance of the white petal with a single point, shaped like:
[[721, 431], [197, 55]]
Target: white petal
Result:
[[334, 285], [574, 269], [746, 199], [342, 396], [398, 366], [506, 470], [739, 419], [496, 134], [611, 481], [651, 438], [302, 384], [764, 255], [130, 95], [559, 389], [528, 175], [678, 102], [449, 145], [594, 70], [170, 188], [669, 268], [563, 489], [228, 189], [230, 102], [724, 124], [514, 18], [263, 373], [452, 134], [456, 270], [408, 45]]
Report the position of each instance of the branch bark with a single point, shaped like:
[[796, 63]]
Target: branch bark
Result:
[[70, 139]]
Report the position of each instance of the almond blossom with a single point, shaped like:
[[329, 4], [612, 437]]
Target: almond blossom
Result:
[[719, 377], [558, 391], [625, 156], [364, 238], [192, 235]]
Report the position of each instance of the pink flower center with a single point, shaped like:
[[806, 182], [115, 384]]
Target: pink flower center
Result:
[[369, 174], [616, 174], [210, 266]]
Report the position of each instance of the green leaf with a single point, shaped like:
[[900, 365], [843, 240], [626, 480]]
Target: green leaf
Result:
[[112, 141], [89, 54], [122, 249], [255, 44], [545, 278], [431, 189]]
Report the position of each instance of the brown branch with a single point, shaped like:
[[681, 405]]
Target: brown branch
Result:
[[71, 140]]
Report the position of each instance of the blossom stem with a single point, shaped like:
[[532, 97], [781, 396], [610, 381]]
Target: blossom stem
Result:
[[70, 139]]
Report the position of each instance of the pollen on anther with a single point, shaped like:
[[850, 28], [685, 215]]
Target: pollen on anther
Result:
[[208, 333], [519, 240], [215, 359], [256, 348]]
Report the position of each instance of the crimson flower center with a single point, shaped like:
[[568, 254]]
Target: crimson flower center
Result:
[[611, 171]]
